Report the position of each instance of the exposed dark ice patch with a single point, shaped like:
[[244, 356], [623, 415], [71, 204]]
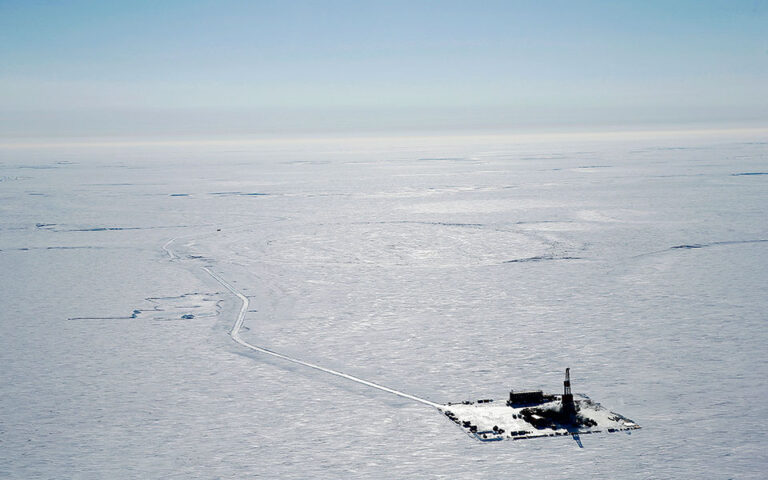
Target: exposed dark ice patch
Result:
[[443, 159], [416, 222], [179, 195], [27, 249], [240, 194], [307, 162], [75, 248], [104, 229], [185, 307], [694, 246], [540, 258], [450, 224], [132, 315], [53, 227], [38, 167], [746, 174], [535, 222], [714, 244]]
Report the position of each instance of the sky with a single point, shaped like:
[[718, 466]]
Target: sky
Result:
[[84, 68]]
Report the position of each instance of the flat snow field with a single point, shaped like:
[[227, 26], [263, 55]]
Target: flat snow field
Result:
[[439, 268]]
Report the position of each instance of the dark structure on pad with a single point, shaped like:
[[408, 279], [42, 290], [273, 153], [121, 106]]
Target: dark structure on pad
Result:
[[536, 397], [528, 397]]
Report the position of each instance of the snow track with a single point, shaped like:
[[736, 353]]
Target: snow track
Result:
[[238, 325]]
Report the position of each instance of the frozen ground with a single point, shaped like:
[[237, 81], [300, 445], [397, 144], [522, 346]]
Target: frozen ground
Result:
[[447, 269]]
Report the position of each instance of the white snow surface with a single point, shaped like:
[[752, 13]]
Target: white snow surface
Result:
[[441, 269]]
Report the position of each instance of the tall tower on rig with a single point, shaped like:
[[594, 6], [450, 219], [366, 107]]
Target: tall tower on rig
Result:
[[568, 405]]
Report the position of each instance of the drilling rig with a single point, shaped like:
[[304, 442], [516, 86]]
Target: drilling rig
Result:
[[568, 406]]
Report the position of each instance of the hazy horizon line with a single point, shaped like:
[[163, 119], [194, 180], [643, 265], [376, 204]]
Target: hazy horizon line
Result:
[[617, 133]]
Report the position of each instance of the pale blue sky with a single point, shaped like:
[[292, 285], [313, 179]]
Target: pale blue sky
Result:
[[76, 67]]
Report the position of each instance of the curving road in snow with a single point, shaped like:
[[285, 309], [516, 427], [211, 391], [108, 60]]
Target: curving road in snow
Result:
[[238, 325]]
